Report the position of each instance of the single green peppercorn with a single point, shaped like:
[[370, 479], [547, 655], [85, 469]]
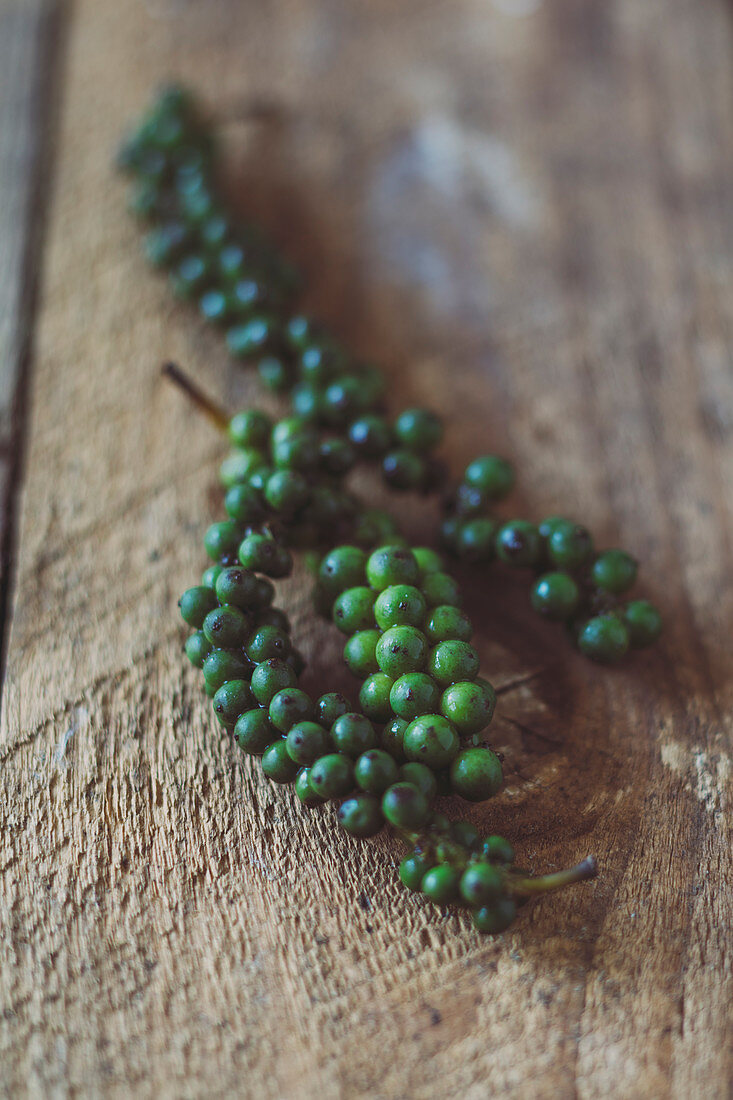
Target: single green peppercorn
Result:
[[370, 435], [614, 571], [195, 604], [375, 770], [360, 652], [331, 706], [547, 526], [518, 543], [555, 595], [342, 568], [413, 869], [265, 593], [440, 884], [215, 306], [374, 697], [244, 503], [495, 918], [475, 539], [289, 707], [392, 738], [452, 661], [210, 575], [432, 740], [354, 610], [419, 430], [306, 742], [401, 649], [253, 732], [275, 373], [469, 706], [353, 734], [440, 589], [446, 623], [414, 694], [497, 850], [360, 815], [404, 470], [237, 587], [301, 453], [475, 774], [569, 545], [421, 777], [198, 648], [332, 775], [404, 806], [304, 791], [337, 456], [221, 665], [277, 764], [250, 428], [190, 276], [604, 638], [270, 677], [400, 605], [263, 554], [428, 561], [232, 699], [227, 627], [493, 476], [391, 565], [222, 539], [465, 834], [643, 623], [286, 491], [481, 884]]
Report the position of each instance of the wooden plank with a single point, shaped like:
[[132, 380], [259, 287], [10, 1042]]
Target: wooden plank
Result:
[[528, 220]]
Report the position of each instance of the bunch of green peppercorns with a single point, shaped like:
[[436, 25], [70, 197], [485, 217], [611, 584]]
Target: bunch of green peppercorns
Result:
[[422, 706]]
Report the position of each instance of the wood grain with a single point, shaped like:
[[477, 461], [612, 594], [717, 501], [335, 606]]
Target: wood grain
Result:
[[528, 221]]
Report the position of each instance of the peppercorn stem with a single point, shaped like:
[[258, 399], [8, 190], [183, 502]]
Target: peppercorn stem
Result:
[[586, 869], [202, 401]]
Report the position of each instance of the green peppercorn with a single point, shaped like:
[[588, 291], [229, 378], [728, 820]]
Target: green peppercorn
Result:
[[569, 545], [468, 706], [475, 774], [375, 770], [215, 306], [400, 605], [392, 738], [475, 539], [337, 456], [306, 742], [244, 503], [401, 649], [481, 884], [428, 561], [227, 627], [432, 740], [190, 276], [465, 834], [414, 694], [286, 491], [360, 652], [263, 554], [210, 575], [300, 453], [497, 850], [604, 638], [198, 648], [195, 604], [221, 665], [614, 571], [440, 589], [289, 707], [371, 435], [275, 373], [391, 565], [547, 526], [404, 470], [304, 791], [250, 428], [493, 476], [331, 706], [440, 884], [413, 869], [495, 918], [253, 732], [360, 815], [237, 587], [446, 623], [352, 734], [267, 641], [332, 775], [222, 539], [374, 697], [643, 623], [419, 430], [270, 677], [421, 777], [452, 661], [239, 466], [277, 764], [555, 595], [232, 699], [518, 543], [252, 337], [354, 610], [404, 806], [342, 568]]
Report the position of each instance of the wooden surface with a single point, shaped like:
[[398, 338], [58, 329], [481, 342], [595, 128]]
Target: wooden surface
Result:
[[527, 219]]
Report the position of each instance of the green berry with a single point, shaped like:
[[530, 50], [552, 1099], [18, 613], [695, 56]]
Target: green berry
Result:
[[404, 806], [251, 337], [286, 491], [439, 589], [352, 734], [604, 638], [354, 610], [392, 738], [332, 775], [267, 641], [360, 815], [440, 884], [412, 871], [400, 605], [232, 699], [289, 707], [431, 740], [210, 576], [643, 623], [304, 791], [253, 732], [195, 604], [452, 661], [374, 697], [465, 834], [421, 777], [404, 470], [277, 764], [270, 677], [300, 453], [475, 774], [419, 430], [469, 706], [371, 435], [331, 706], [275, 374], [569, 545], [360, 652], [337, 456], [306, 742], [401, 649], [481, 884], [237, 587], [547, 526], [263, 554], [497, 850], [495, 918], [375, 770], [475, 539], [446, 623], [555, 595], [391, 565], [614, 571], [518, 543], [237, 468], [273, 616], [428, 561], [198, 648], [227, 627], [222, 539], [250, 428], [491, 475], [221, 665], [414, 694]]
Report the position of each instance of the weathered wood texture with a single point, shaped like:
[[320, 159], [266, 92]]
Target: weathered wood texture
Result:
[[529, 221]]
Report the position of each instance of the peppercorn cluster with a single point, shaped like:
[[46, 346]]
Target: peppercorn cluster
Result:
[[573, 583]]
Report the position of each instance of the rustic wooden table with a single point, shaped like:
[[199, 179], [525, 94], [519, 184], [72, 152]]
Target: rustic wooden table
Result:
[[524, 210]]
